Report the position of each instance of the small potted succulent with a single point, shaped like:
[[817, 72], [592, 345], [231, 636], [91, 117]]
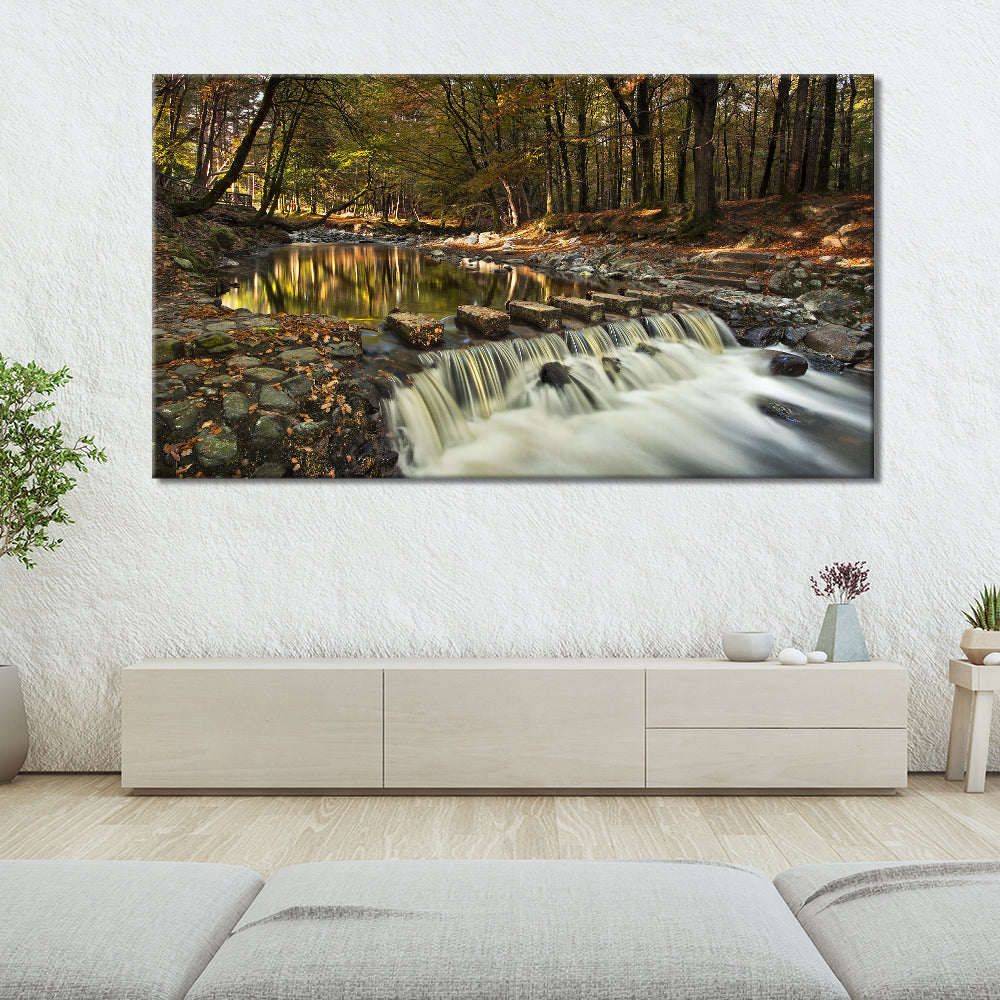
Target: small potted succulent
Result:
[[841, 637], [983, 637], [33, 480]]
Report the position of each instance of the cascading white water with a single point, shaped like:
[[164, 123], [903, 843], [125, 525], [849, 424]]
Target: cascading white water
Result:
[[665, 396]]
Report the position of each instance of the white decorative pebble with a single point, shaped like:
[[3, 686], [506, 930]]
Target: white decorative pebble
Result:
[[792, 657], [816, 656], [991, 659]]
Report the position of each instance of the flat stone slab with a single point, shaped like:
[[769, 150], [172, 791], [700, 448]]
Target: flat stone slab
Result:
[[589, 312], [622, 305], [650, 299], [536, 314], [417, 329], [488, 322]]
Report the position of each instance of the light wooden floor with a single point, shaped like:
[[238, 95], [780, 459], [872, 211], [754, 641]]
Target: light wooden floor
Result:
[[88, 816]]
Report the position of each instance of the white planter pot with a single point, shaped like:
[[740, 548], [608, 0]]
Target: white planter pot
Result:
[[978, 643], [13, 725]]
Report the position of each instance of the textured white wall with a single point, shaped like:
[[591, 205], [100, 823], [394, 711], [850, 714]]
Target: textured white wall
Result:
[[604, 568]]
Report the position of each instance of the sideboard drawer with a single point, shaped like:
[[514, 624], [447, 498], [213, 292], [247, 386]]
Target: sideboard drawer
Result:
[[775, 758], [720, 694]]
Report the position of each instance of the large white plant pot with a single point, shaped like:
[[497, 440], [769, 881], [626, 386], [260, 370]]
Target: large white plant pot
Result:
[[13, 725], [978, 643]]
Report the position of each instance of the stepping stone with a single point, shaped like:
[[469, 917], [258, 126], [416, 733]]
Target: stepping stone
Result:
[[265, 374], [589, 312], [299, 356], [541, 317], [622, 305], [417, 329], [488, 322], [651, 300]]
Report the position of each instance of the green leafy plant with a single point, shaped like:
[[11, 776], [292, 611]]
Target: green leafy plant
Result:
[[985, 613], [33, 460]]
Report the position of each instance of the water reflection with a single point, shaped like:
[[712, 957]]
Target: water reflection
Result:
[[365, 282]]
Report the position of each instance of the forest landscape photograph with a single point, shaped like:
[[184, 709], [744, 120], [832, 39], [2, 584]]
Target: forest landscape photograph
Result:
[[621, 276]]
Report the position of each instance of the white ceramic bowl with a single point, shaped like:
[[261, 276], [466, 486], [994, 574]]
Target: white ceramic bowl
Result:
[[747, 647]]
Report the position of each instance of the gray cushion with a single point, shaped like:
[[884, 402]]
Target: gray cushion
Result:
[[114, 930], [513, 930], [903, 931]]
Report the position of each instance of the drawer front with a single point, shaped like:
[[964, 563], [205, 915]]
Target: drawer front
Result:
[[806, 697], [776, 758], [514, 728], [251, 728]]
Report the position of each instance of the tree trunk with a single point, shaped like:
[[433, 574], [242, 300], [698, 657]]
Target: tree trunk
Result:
[[704, 96], [844, 173], [793, 171], [829, 122], [780, 109], [683, 141], [815, 132], [753, 135], [581, 150], [222, 185]]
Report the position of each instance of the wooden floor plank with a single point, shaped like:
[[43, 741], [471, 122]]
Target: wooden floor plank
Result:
[[88, 816]]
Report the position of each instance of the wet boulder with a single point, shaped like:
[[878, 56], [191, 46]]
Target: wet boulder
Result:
[[788, 365], [554, 373], [840, 342], [760, 336]]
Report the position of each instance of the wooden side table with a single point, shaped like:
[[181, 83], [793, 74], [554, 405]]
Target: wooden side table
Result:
[[971, 715]]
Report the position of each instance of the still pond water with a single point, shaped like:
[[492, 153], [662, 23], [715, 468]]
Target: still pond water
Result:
[[364, 282]]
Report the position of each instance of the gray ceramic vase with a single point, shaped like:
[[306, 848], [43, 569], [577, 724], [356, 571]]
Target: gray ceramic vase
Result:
[[841, 637], [13, 725]]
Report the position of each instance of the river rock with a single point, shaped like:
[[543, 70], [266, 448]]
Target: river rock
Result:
[[180, 418], [345, 351], [235, 407], [309, 429], [832, 305], [214, 344], [839, 342], [166, 349], [554, 373], [297, 386], [270, 470], [274, 399], [217, 450], [789, 413], [790, 365], [270, 429], [265, 374], [244, 361], [299, 356], [784, 283], [761, 336]]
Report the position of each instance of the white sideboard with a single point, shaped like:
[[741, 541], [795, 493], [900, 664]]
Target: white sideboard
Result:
[[503, 724]]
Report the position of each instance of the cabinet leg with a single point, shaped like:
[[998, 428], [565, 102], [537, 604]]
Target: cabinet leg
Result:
[[958, 740], [979, 741]]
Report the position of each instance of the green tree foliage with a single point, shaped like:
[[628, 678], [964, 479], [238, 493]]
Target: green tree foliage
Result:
[[497, 150], [33, 460]]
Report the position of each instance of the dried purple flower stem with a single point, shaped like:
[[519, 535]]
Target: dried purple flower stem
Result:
[[842, 582]]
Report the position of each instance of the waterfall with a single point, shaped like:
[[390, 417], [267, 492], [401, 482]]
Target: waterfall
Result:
[[665, 395]]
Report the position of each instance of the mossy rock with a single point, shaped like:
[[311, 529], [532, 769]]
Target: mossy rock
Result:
[[223, 237]]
